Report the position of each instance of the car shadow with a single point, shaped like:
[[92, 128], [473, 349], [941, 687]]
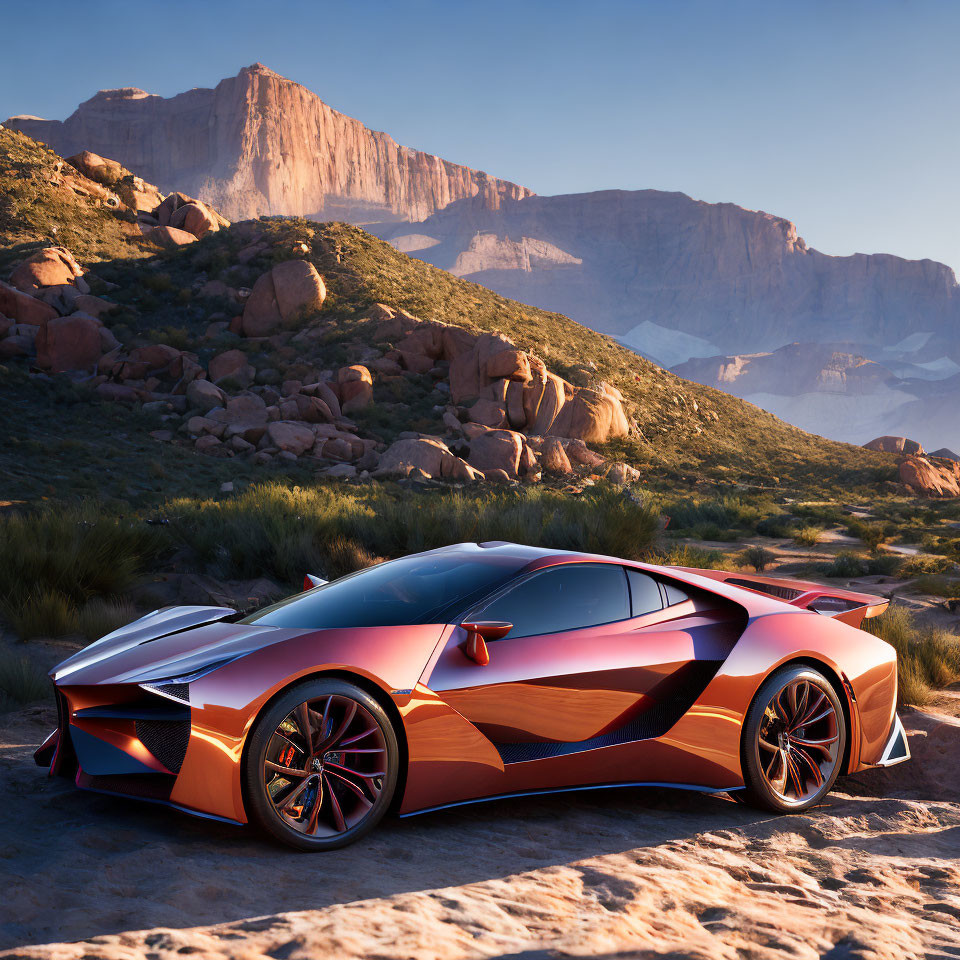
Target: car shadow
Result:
[[77, 864]]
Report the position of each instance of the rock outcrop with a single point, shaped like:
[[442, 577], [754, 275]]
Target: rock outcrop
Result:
[[931, 477], [500, 385], [261, 144], [899, 445]]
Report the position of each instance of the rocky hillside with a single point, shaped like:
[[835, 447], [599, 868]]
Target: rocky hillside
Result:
[[316, 348], [261, 144]]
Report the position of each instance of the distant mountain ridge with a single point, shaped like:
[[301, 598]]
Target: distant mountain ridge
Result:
[[739, 280], [258, 144]]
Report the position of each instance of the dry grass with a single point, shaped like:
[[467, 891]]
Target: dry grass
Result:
[[283, 532], [927, 658], [101, 616], [21, 681]]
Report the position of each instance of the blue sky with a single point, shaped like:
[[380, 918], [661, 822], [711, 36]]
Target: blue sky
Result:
[[839, 116]]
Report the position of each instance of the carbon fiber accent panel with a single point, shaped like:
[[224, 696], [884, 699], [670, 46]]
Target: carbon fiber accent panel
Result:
[[145, 786], [649, 725], [166, 739]]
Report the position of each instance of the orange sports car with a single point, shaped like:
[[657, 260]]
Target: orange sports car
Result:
[[477, 671]]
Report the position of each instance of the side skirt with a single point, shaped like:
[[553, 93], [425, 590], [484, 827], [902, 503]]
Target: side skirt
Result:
[[696, 788]]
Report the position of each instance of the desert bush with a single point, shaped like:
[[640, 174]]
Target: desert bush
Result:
[[757, 557], [345, 556], [927, 658], [80, 551], [723, 514], [282, 532], [923, 564], [849, 564], [872, 534], [684, 555], [808, 536], [101, 616], [777, 525], [938, 586], [42, 612], [53, 560], [21, 681]]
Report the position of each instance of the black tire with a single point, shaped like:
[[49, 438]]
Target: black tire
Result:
[[793, 741], [307, 796]]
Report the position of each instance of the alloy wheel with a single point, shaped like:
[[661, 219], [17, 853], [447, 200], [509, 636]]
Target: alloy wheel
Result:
[[324, 766], [799, 741]]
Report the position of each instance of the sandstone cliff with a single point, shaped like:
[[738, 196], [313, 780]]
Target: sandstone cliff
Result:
[[740, 281], [261, 144]]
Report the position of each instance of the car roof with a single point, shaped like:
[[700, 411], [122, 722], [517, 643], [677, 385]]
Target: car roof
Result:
[[535, 558]]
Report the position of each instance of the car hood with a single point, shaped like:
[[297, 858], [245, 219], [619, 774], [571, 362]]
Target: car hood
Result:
[[174, 642]]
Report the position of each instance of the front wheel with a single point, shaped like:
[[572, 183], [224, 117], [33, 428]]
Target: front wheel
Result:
[[793, 740], [321, 766]]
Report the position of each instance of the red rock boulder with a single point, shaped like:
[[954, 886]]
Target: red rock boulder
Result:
[[355, 387], [23, 308], [169, 237], [280, 295], [68, 343], [931, 478], [496, 450], [895, 445], [49, 267]]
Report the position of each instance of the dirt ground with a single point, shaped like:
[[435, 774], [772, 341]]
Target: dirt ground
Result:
[[874, 873]]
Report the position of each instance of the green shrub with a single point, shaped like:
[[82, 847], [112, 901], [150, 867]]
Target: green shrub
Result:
[[757, 557], [847, 564], [808, 536], [21, 681], [777, 525], [79, 551], [872, 534], [54, 560]]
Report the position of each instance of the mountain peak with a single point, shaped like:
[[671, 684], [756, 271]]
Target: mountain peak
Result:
[[282, 151]]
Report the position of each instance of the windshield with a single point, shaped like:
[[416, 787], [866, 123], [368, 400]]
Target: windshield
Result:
[[420, 589]]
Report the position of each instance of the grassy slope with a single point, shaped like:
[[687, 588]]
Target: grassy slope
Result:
[[681, 438], [36, 212], [691, 434]]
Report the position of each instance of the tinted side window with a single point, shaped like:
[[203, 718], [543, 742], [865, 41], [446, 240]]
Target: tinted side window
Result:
[[563, 598], [674, 594], [644, 593]]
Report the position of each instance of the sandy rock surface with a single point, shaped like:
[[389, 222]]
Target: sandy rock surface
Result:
[[874, 873]]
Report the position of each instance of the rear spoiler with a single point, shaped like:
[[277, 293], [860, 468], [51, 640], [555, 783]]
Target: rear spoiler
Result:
[[846, 605]]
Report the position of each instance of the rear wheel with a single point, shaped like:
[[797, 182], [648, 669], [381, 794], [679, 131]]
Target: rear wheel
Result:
[[793, 740], [321, 766]]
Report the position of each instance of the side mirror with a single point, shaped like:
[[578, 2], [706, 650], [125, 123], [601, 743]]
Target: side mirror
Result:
[[478, 633]]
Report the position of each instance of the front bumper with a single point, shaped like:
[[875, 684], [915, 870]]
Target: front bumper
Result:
[[132, 744], [897, 748]]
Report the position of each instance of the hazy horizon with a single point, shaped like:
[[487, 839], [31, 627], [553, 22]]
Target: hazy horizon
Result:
[[832, 118]]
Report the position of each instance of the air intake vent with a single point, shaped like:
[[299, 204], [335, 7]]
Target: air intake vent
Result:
[[166, 740], [771, 589]]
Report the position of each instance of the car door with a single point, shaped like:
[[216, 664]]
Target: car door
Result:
[[590, 649]]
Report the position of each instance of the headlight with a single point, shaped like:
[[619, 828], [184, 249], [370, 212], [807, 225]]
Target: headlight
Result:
[[178, 687]]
